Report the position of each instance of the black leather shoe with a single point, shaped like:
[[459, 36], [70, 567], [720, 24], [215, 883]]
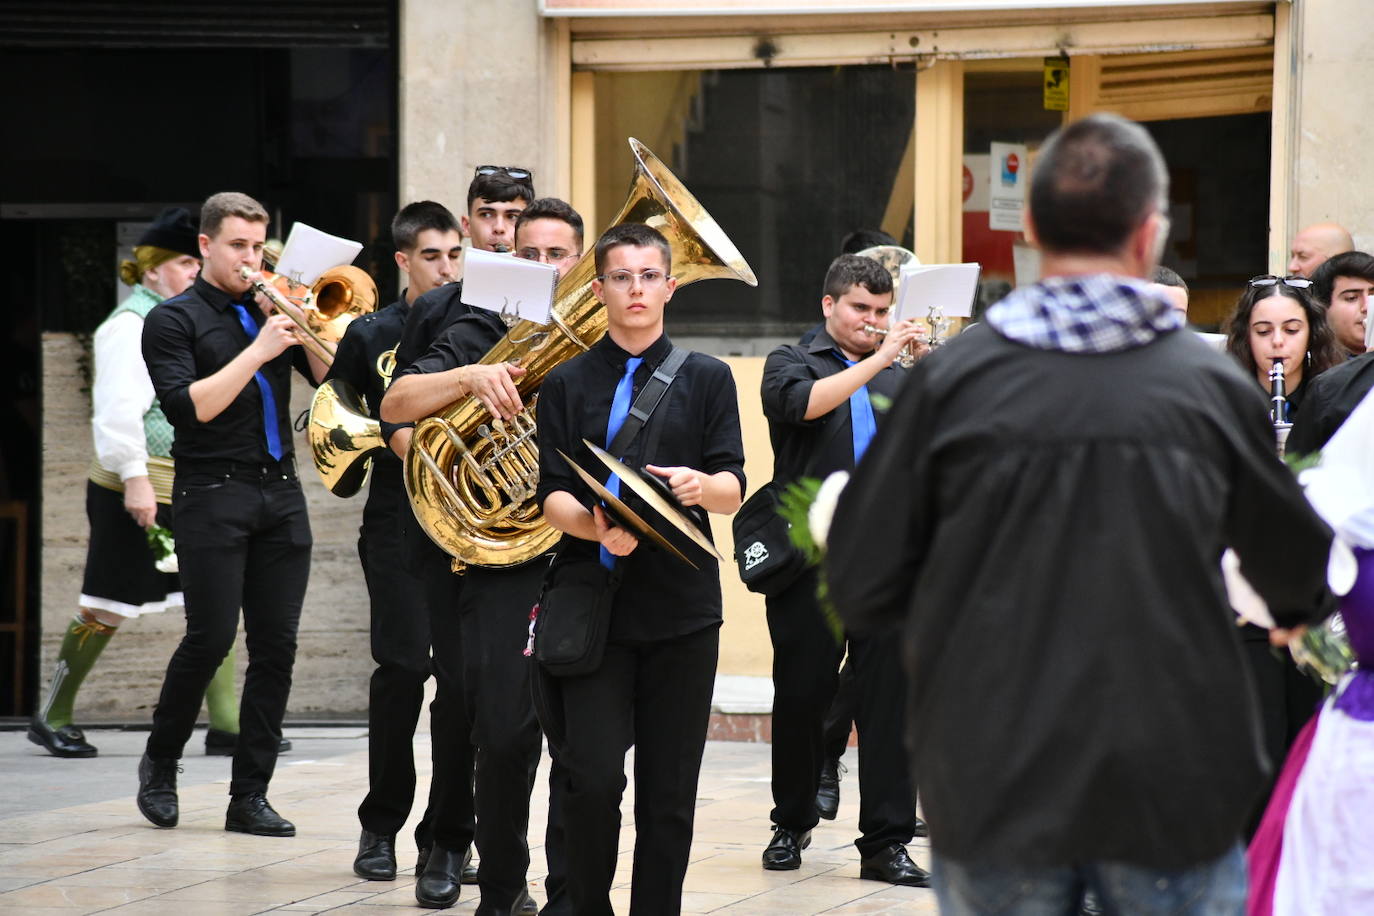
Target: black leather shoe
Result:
[[224, 744], [63, 741], [376, 859], [828, 792], [250, 813], [441, 882], [469, 868], [784, 850], [522, 905], [894, 866], [157, 790], [922, 829], [422, 851]]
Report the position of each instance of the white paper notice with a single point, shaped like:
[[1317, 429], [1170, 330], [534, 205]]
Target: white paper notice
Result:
[[505, 283], [1025, 261], [1007, 169], [310, 252], [950, 287]]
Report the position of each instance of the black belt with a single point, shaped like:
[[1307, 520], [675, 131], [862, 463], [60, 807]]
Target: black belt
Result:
[[247, 470]]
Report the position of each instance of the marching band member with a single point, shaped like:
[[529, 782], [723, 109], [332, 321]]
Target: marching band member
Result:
[[816, 397], [653, 687], [222, 374], [495, 603], [428, 251]]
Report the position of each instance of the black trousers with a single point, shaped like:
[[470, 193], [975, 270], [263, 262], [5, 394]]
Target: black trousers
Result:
[[839, 721], [451, 817], [657, 697], [400, 649], [806, 661], [242, 541], [495, 613]]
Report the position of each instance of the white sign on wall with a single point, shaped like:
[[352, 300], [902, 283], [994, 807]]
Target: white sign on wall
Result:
[[1008, 167]]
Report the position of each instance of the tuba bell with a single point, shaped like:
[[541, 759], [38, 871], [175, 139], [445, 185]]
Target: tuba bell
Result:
[[471, 477]]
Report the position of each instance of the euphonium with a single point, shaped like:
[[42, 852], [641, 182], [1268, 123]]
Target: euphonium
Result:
[[471, 477]]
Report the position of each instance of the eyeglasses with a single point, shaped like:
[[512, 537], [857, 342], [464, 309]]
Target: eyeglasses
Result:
[[623, 279], [549, 255], [525, 176], [1271, 280]]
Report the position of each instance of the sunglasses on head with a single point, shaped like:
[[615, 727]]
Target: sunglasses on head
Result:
[[1271, 280], [511, 172]]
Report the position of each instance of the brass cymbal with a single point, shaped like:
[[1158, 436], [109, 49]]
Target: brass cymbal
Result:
[[669, 511], [636, 524]]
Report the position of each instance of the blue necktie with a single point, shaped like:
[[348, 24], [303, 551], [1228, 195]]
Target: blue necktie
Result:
[[620, 409], [269, 403], [860, 417]]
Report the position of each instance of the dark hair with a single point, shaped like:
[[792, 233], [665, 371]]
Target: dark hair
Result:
[[551, 208], [860, 239], [637, 234], [1321, 340], [499, 188], [1095, 182], [1347, 264], [1166, 277], [414, 218], [218, 207], [849, 270]]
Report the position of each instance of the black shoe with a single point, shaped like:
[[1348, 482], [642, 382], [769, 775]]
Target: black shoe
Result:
[[376, 859], [441, 882], [469, 868], [522, 905], [894, 866], [422, 856], [828, 793], [784, 850], [157, 790], [922, 829], [250, 813], [223, 744], [1090, 905], [63, 741]]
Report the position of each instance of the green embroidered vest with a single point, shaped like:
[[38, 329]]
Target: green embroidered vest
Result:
[[156, 428]]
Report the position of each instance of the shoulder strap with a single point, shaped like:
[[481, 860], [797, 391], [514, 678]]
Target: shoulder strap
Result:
[[649, 397]]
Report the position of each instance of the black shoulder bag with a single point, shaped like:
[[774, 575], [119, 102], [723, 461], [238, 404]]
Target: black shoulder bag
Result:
[[573, 616]]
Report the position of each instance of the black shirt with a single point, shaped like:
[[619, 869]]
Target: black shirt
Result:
[[463, 342], [812, 448], [194, 335], [1331, 397], [429, 315], [695, 425], [355, 362]]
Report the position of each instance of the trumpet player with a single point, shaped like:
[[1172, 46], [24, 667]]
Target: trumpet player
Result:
[[817, 399], [221, 371], [428, 252], [493, 610]]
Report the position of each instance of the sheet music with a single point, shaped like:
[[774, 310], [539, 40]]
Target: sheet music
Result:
[[498, 282], [950, 286], [310, 252]]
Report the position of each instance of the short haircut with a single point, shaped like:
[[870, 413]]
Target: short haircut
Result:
[[860, 239], [1094, 183], [552, 208], [219, 207], [414, 218], [499, 188], [850, 270], [637, 234], [1321, 339], [1166, 277], [1347, 264]]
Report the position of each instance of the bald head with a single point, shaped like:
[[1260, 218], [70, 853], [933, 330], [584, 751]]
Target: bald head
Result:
[[1315, 244]]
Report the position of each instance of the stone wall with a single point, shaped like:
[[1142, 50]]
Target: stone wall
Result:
[[333, 660]]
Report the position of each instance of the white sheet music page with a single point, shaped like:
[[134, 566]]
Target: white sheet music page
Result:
[[951, 287], [310, 252], [505, 283]]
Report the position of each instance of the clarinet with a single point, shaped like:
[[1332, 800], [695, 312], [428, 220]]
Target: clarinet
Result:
[[1278, 406]]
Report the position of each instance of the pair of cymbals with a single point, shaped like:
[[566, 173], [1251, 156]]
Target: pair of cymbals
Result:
[[664, 506]]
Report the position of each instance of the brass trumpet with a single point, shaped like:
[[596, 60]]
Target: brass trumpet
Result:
[[471, 477]]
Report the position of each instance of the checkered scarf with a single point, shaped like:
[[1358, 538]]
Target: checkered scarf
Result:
[[1093, 313]]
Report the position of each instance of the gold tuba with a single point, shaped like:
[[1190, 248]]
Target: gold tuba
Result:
[[472, 477]]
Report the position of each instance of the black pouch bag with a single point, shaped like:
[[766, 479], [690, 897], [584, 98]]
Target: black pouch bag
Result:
[[768, 561], [574, 617]]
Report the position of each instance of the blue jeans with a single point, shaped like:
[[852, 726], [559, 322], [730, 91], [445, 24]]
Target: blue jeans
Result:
[[1215, 888]]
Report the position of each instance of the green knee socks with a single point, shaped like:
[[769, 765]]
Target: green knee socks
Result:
[[220, 699], [86, 638]]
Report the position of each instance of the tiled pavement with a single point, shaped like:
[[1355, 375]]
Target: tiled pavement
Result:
[[72, 841]]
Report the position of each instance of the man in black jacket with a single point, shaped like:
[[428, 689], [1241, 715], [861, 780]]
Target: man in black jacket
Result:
[[1044, 514]]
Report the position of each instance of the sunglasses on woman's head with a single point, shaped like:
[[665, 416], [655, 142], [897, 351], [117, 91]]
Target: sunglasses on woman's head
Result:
[[1271, 280]]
